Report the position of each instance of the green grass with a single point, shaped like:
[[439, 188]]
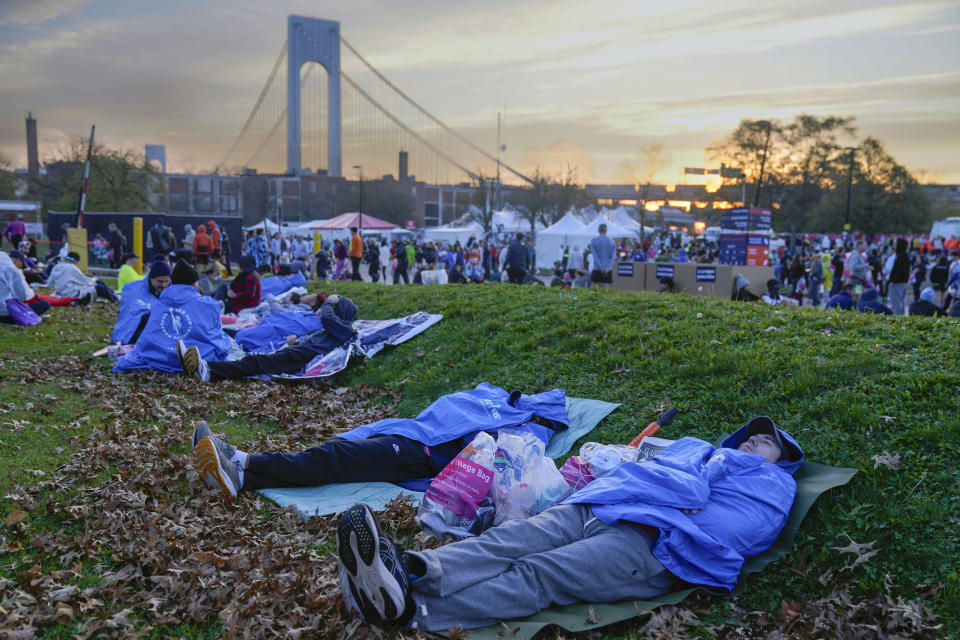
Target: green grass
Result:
[[848, 386]]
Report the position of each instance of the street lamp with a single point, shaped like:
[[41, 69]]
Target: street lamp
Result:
[[763, 160], [846, 222], [360, 204]]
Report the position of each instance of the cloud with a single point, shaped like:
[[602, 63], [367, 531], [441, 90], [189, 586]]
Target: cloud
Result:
[[37, 11]]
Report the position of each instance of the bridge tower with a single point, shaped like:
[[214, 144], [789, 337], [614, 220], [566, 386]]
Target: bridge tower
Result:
[[312, 40]]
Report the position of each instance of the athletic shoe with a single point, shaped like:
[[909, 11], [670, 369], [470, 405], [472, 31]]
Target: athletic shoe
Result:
[[200, 431], [192, 364], [85, 300], [211, 459], [376, 569]]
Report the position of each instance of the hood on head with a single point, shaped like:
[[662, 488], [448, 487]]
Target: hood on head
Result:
[[177, 295], [793, 457], [346, 309], [901, 245], [868, 295], [201, 228]]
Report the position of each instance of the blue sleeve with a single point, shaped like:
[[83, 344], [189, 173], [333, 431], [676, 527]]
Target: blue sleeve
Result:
[[335, 326]]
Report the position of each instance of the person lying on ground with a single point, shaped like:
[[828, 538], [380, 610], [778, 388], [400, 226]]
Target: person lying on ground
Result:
[[13, 286], [67, 280], [274, 328], [399, 450], [244, 290], [136, 300], [925, 305], [181, 312], [336, 316], [128, 270], [869, 303], [844, 298], [690, 516]]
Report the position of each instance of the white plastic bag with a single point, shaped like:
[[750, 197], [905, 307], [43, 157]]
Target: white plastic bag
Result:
[[525, 481], [601, 459]]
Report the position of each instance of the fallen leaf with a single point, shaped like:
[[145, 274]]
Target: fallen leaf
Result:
[[15, 517]]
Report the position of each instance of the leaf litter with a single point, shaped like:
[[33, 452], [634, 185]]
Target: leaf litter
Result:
[[134, 543]]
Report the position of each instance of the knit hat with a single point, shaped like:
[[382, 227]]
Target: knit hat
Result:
[[183, 273], [927, 294], [247, 264], [158, 269], [73, 256]]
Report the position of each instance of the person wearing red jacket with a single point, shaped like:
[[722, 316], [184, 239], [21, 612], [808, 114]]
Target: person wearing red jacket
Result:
[[244, 290], [356, 253], [202, 245], [214, 235]]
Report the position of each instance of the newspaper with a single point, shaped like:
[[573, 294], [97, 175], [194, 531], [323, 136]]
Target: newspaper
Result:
[[651, 446]]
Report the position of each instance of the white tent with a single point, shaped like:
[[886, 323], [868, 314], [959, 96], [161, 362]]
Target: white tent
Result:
[[271, 226], [614, 231], [510, 221], [567, 231], [450, 233], [622, 218]]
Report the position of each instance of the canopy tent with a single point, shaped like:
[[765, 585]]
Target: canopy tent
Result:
[[270, 226], [454, 233], [624, 220], [511, 221], [353, 219], [614, 231], [567, 231]]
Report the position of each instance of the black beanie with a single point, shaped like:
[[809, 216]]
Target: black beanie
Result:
[[183, 273]]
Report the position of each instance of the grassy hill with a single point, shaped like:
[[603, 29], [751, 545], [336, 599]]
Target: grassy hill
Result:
[[875, 393]]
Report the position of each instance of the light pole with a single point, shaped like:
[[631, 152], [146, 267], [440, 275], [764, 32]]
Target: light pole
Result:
[[360, 204], [846, 221], [763, 160]]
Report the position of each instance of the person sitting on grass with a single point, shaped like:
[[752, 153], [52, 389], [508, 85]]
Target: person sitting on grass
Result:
[[336, 316], [68, 281], [869, 303], [180, 312], [399, 450], [844, 298], [13, 286], [136, 300], [925, 305], [244, 290], [128, 270], [689, 516]]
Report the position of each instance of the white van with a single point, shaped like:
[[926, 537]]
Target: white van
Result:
[[946, 228]]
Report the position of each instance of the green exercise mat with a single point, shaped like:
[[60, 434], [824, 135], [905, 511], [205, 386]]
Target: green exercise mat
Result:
[[812, 480]]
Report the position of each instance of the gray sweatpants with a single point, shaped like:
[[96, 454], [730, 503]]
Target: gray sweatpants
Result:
[[558, 557], [897, 293]]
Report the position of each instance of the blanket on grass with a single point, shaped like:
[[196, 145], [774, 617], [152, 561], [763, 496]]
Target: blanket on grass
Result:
[[371, 337], [584, 414], [812, 480]]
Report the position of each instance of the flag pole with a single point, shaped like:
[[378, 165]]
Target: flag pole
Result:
[[86, 176]]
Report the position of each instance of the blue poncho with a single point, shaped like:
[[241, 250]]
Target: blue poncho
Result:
[[136, 299]]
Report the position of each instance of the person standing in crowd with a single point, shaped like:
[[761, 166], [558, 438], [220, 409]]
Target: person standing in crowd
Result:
[[815, 278], [160, 238], [15, 231], [516, 260], [604, 252], [940, 274], [355, 253], [322, 260], [118, 245], [575, 261], [188, 235], [402, 263], [202, 245], [896, 270], [857, 268], [383, 259], [215, 237]]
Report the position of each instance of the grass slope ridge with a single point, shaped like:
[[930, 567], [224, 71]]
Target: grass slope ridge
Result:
[[874, 393]]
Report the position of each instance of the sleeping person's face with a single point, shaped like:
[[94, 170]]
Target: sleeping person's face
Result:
[[761, 444]]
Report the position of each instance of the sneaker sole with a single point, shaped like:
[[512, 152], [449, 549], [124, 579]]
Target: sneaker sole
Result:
[[358, 546], [207, 463], [196, 427], [191, 363]]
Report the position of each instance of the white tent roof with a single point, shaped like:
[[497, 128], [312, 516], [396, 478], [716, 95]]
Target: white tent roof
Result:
[[566, 225], [614, 231], [269, 225]]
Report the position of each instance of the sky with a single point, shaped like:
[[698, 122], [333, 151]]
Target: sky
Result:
[[586, 84]]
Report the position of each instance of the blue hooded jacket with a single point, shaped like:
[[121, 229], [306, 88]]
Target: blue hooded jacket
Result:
[[842, 300], [136, 299], [272, 332], [181, 312], [742, 502], [868, 303], [278, 285], [486, 408]]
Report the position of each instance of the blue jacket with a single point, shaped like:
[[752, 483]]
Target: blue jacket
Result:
[[517, 256], [486, 408], [271, 334], [136, 299], [743, 503], [181, 312], [336, 327], [281, 284], [842, 300], [604, 251], [868, 303]]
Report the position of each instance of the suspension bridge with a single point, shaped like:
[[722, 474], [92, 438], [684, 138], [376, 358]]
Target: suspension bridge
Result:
[[324, 107]]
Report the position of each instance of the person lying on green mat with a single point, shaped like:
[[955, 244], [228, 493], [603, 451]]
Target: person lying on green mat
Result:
[[689, 516]]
